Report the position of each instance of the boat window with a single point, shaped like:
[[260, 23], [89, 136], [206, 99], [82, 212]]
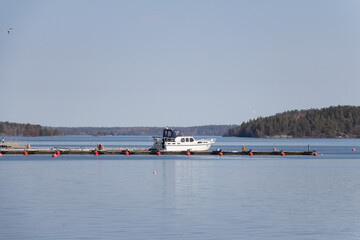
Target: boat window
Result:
[[183, 140], [168, 133], [191, 139], [177, 133], [187, 139]]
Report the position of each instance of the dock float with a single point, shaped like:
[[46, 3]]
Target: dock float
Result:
[[117, 151]]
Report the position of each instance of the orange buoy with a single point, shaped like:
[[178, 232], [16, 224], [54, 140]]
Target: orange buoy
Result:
[[127, 153], [25, 153], [282, 154], [58, 153], [96, 153], [251, 153], [54, 155], [158, 153], [220, 153], [188, 153], [315, 154]]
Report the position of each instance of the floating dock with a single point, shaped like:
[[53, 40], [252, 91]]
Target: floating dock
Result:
[[117, 151]]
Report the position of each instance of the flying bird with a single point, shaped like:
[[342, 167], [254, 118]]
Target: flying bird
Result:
[[9, 30]]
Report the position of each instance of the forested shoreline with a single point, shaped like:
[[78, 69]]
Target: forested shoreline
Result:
[[331, 122], [31, 130], [26, 130]]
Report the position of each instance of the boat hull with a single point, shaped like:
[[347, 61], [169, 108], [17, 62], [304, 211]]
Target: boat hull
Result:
[[190, 147], [178, 146]]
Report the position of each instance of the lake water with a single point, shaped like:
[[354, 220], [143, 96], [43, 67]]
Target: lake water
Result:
[[189, 197]]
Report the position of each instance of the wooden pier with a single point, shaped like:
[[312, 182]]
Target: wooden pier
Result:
[[117, 151], [10, 145]]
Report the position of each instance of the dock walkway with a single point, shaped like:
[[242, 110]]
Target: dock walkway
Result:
[[117, 151]]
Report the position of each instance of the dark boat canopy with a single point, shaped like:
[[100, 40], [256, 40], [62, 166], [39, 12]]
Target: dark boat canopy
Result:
[[170, 133]]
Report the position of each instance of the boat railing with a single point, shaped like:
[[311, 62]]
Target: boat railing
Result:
[[157, 140], [169, 139]]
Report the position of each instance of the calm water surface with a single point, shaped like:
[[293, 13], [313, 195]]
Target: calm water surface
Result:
[[189, 197]]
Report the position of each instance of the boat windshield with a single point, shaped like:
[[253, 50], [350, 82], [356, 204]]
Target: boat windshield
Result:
[[177, 134], [169, 133]]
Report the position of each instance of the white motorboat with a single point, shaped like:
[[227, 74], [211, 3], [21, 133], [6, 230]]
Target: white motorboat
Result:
[[173, 140]]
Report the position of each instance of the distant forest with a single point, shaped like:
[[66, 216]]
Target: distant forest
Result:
[[332, 122], [30, 130], [27, 130], [207, 130]]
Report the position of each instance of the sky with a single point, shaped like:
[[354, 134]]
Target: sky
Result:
[[175, 63]]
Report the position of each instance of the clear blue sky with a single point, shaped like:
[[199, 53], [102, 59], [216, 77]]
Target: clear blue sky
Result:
[[175, 63]]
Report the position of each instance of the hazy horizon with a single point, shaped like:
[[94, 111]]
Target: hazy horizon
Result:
[[171, 126]]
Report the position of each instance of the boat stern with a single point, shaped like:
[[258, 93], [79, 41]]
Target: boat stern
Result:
[[158, 144]]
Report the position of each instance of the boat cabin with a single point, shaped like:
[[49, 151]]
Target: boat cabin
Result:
[[169, 135]]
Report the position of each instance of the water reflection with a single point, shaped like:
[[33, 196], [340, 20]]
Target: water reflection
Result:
[[186, 181]]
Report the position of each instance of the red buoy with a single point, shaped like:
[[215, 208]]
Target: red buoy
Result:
[[0, 154], [25, 153], [282, 154], [274, 149], [54, 155], [158, 153], [220, 153], [58, 153], [315, 154], [188, 153], [353, 149], [251, 153], [96, 153], [127, 153]]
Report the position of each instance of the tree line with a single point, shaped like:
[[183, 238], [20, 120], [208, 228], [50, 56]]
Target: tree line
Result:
[[331, 122], [26, 129], [31, 130], [206, 130]]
